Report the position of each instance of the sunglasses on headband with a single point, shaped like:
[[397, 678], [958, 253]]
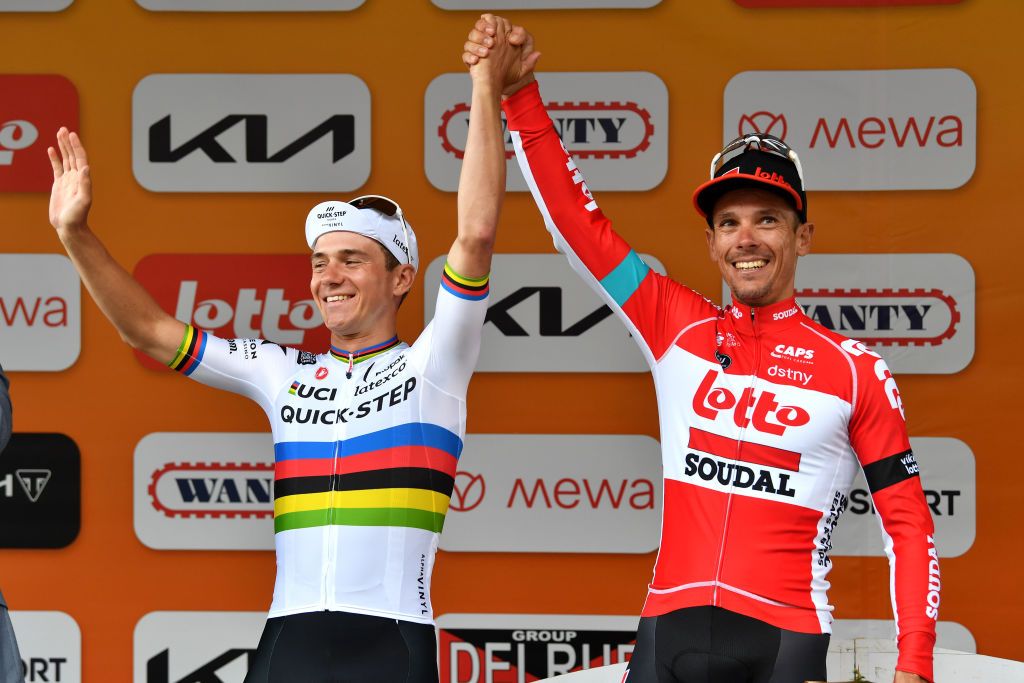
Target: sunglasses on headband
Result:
[[759, 142], [388, 207]]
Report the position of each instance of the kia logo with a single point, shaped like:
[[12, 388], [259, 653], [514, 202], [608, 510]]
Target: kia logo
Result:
[[764, 122], [469, 491]]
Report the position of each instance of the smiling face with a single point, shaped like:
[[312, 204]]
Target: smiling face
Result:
[[756, 240], [357, 295]]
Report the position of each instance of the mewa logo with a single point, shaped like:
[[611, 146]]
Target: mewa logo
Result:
[[877, 130], [40, 311], [237, 296]]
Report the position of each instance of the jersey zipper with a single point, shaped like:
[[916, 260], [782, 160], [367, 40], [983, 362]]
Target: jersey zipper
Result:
[[739, 445], [331, 540]]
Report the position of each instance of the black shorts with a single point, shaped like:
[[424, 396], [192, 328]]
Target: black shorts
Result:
[[713, 645], [342, 647]]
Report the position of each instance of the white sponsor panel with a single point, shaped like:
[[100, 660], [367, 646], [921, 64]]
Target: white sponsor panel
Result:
[[614, 123], [947, 476], [250, 5], [555, 493], [544, 4], [50, 644], [542, 317], [479, 648], [948, 634], [40, 312], [251, 132], [914, 310], [903, 129], [195, 646], [34, 5], [204, 491]]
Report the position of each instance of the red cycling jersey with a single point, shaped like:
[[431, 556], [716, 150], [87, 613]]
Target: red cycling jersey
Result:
[[765, 416]]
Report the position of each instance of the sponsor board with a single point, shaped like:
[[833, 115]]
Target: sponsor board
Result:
[[40, 491], [249, 5], [544, 4], [542, 317], [50, 644], [32, 109], [614, 123], [842, 3], [904, 129], [40, 312], [553, 493], [915, 310], [947, 476], [34, 5], [204, 491], [948, 634], [237, 296], [479, 648], [243, 132], [195, 647]]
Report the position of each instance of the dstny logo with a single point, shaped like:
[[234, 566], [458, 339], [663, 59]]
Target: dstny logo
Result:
[[221, 132]]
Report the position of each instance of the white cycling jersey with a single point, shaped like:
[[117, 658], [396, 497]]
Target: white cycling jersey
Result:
[[366, 445]]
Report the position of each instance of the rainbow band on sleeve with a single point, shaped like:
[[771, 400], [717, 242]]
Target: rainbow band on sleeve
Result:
[[473, 289], [190, 353]]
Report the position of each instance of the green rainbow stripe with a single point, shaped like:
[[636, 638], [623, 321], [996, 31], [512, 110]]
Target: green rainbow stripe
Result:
[[417, 519]]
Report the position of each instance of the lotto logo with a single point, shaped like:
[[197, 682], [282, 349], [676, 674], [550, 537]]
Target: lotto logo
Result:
[[31, 110]]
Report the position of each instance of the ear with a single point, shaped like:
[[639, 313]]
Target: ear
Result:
[[804, 235], [709, 233], [402, 276]]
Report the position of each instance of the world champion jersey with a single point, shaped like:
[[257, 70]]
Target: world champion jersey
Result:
[[765, 418], [366, 445]]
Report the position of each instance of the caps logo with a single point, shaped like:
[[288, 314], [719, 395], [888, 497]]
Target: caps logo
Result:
[[763, 122], [250, 296], [32, 104], [213, 489]]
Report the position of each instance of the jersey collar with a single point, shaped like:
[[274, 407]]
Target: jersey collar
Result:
[[359, 356], [758, 319]]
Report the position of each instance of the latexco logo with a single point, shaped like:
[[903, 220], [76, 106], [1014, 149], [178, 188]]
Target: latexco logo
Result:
[[237, 296], [40, 491], [50, 644], [242, 133], [914, 310], [911, 129], [222, 498], [475, 648], [195, 647], [31, 111], [40, 312], [542, 317], [555, 493], [250, 5], [615, 123], [947, 475]]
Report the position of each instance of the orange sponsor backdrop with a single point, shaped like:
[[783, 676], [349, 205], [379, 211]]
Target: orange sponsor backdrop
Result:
[[107, 580]]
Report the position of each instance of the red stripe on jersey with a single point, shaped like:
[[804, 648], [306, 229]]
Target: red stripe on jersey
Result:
[[400, 456], [744, 451]]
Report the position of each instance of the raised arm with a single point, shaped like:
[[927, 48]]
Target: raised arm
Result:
[[138, 318]]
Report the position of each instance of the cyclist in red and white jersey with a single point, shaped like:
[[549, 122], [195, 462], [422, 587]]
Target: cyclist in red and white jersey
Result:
[[765, 418], [367, 435]]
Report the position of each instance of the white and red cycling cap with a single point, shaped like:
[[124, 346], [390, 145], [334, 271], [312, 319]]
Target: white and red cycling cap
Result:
[[373, 216]]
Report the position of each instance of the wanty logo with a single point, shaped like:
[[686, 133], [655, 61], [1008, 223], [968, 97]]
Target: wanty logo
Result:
[[469, 491], [32, 104], [237, 296], [590, 130], [228, 490], [885, 317], [709, 400]]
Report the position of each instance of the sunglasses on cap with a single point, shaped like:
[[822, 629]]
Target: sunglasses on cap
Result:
[[759, 142], [388, 207]]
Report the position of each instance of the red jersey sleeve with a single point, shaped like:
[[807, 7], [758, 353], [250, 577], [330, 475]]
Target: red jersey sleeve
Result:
[[653, 307], [878, 434]]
